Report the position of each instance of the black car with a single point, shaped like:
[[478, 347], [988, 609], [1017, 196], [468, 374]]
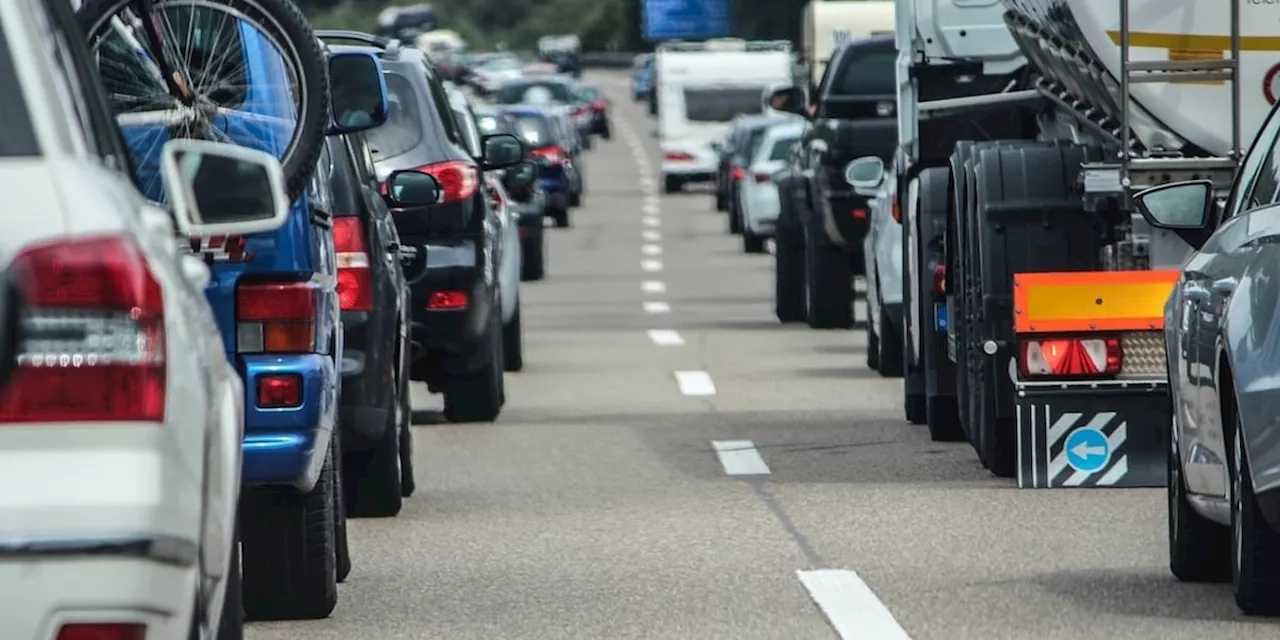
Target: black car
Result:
[[529, 201], [599, 105], [374, 410], [449, 252]]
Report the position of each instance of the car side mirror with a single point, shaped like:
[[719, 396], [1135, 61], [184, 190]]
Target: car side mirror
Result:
[[501, 150], [223, 189], [412, 189], [865, 175], [1185, 208], [789, 99], [520, 176], [12, 304], [357, 92]]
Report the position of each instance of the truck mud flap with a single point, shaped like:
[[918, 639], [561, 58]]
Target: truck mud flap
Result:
[[1086, 435]]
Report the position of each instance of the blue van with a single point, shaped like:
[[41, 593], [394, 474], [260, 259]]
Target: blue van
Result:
[[275, 299]]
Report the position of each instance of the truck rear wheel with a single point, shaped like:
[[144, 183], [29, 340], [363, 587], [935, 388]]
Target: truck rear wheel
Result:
[[828, 284], [288, 550]]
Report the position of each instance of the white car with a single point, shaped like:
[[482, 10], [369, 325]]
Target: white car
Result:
[[120, 431], [757, 193]]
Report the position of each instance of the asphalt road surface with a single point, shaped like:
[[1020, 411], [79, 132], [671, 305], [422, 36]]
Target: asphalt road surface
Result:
[[673, 463]]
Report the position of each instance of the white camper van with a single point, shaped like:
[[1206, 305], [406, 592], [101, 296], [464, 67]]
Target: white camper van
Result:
[[830, 23], [702, 86]]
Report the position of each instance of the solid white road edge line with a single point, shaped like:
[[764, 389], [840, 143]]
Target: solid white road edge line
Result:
[[665, 338], [657, 307], [650, 235], [851, 607], [695, 383], [651, 250], [651, 265], [740, 458], [653, 286]]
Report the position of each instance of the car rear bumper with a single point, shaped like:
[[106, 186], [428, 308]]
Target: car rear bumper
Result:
[[288, 446]]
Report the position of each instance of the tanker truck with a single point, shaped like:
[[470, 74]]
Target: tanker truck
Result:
[[1035, 288]]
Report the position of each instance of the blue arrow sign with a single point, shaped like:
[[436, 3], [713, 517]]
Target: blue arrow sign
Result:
[[667, 19], [1087, 450]]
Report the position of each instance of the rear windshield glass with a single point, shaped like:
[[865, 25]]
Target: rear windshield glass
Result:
[[721, 104], [403, 130], [589, 93], [782, 148], [750, 142], [17, 136], [534, 130], [866, 74], [515, 93]]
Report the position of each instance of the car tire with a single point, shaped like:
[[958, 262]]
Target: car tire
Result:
[[231, 622], [828, 286], [735, 218], [788, 278], [1255, 547], [915, 406], [672, 184], [478, 396], [341, 545], [513, 342], [575, 199], [943, 417], [873, 344], [1199, 549], [889, 344], [407, 483], [561, 217], [532, 254], [288, 550], [373, 477], [722, 202], [752, 243]]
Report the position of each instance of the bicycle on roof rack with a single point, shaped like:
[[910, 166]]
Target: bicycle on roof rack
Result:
[[181, 69]]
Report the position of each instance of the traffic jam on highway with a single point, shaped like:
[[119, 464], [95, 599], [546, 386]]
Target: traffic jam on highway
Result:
[[327, 334]]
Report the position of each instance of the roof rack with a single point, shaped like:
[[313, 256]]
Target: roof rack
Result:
[[726, 44], [353, 36]]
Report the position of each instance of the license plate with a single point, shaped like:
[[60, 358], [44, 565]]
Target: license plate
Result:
[[940, 316]]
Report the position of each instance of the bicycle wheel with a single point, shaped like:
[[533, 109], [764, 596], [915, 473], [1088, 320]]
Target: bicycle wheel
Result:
[[246, 72]]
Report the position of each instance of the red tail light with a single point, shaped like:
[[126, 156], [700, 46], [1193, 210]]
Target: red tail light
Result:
[[762, 178], [599, 105], [737, 174], [677, 156], [442, 300], [579, 111], [552, 154], [458, 179], [95, 335], [355, 278], [1070, 357], [279, 390], [103, 631], [940, 278], [859, 214], [277, 317]]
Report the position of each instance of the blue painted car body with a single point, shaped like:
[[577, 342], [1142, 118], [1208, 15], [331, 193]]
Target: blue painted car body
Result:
[[281, 446], [552, 178], [642, 79]]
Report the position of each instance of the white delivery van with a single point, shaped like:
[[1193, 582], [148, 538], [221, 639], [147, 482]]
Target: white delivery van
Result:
[[830, 23], [702, 86]]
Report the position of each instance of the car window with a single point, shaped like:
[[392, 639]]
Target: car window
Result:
[[1257, 184], [319, 193], [721, 104], [867, 73], [751, 140], [443, 108], [361, 158], [17, 135], [534, 130], [469, 133], [403, 130], [782, 148]]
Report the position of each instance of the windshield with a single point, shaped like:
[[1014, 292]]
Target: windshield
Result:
[[501, 64], [782, 148], [534, 130], [721, 104], [403, 130], [559, 92], [866, 74]]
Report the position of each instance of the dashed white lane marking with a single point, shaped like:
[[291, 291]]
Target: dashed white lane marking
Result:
[[650, 209], [740, 458], [651, 265], [651, 221], [849, 604], [665, 338], [647, 182], [649, 235], [651, 249], [695, 383], [653, 306], [653, 286]]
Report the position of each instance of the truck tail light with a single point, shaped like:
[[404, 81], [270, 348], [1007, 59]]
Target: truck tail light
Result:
[[277, 317], [939, 278], [102, 631], [762, 178], [737, 174], [1070, 357], [94, 346], [355, 278], [677, 156]]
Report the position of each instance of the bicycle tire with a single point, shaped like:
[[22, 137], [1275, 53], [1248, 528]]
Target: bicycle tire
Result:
[[285, 22]]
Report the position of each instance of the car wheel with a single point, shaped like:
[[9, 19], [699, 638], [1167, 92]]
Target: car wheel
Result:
[[533, 251], [231, 622], [513, 342], [341, 546], [373, 476], [788, 278], [752, 243], [561, 217], [477, 396], [1255, 548], [1199, 549], [672, 184]]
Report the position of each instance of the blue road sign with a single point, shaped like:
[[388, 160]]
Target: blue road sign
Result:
[[667, 19], [1088, 450]]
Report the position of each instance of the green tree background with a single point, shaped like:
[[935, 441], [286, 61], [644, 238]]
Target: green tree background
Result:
[[603, 25]]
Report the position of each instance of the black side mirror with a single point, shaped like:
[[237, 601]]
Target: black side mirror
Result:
[[357, 92], [502, 150], [790, 100], [520, 176], [1185, 208], [412, 189], [12, 303]]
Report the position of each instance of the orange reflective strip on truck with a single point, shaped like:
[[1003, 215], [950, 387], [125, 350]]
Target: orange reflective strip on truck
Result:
[[1091, 300]]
